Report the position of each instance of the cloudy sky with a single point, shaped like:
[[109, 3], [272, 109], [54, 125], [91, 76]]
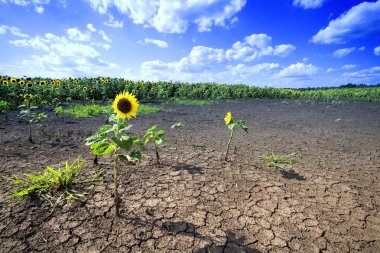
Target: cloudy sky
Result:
[[280, 43]]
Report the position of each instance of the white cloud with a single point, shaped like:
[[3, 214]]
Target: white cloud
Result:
[[62, 56], [13, 30], [75, 34], [305, 59], [340, 53], [376, 50], [242, 69], [297, 71], [349, 66], [37, 3], [91, 27], [39, 9], [361, 48], [256, 46], [159, 43], [3, 29], [215, 64], [112, 22], [105, 36], [368, 74], [329, 70], [174, 16], [360, 21], [308, 4]]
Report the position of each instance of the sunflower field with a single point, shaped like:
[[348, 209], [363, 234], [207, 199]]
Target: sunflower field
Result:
[[48, 91]]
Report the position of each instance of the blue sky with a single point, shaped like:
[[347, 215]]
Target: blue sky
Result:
[[279, 43]]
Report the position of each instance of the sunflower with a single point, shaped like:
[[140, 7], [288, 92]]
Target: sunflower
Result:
[[1, 78], [21, 82], [42, 83], [125, 105], [29, 84], [13, 80], [28, 96], [5, 82], [228, 118]]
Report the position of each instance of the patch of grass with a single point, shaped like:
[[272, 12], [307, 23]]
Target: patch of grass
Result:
[[184, 101], [53, 185], [147, 109], [83, 111], [94, 110], [4, 106], [276, 160]]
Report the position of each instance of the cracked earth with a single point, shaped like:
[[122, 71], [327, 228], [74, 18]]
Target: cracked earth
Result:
[[196, 202]]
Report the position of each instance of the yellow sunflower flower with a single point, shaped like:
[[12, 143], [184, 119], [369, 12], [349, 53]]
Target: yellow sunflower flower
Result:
[[13, 80], [1, 78], [228, 118], [5, 82], [125, 105], [29, 84], [28, 96], [42, 83]]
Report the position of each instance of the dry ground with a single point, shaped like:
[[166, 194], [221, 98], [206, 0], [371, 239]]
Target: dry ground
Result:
[[195, 201]]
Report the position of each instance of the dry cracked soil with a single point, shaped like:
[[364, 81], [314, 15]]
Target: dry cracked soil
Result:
[[197, 202]]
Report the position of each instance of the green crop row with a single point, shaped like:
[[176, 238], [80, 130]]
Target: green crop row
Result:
[[51, 91]]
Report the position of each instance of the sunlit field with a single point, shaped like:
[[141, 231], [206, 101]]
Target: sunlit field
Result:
[[189, 126]]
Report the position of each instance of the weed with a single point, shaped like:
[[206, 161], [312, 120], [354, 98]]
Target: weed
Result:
[[53, 185], [276, 160]]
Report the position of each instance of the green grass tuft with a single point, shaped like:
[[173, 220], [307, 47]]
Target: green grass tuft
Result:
[[147, 109], [83, 111], [53, 185], [276, 160], [183, 101]]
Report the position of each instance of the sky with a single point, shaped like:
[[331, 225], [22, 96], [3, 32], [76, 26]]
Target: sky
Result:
[[277, 43]]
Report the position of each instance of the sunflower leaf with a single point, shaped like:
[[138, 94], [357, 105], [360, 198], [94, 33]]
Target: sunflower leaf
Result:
[[125, 144], [242, 125], [104, 130], [134, 156], [103, 148], [95, 139], [232, 125]]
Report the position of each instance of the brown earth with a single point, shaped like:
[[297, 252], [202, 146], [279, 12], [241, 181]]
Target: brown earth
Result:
[[195, 201]]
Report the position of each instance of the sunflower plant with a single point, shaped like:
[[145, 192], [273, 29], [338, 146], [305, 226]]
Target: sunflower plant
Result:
[[114, 139], [177, 126], [29, 116], [157, 137], [231, 124]]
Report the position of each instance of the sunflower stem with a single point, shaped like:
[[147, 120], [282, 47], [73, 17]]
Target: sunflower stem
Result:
[[116, 199], [30, 123], [116, 175], [228, 144], [157, 155]]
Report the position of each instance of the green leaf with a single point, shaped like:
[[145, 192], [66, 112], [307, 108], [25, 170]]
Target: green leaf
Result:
[[125, 144], [103, 148], [242, 125], [134, 156], [124, 126], [104, 129], [231, 125], [160, 133], [177, 125], [95, 139], [149, 132], [113, 118]]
